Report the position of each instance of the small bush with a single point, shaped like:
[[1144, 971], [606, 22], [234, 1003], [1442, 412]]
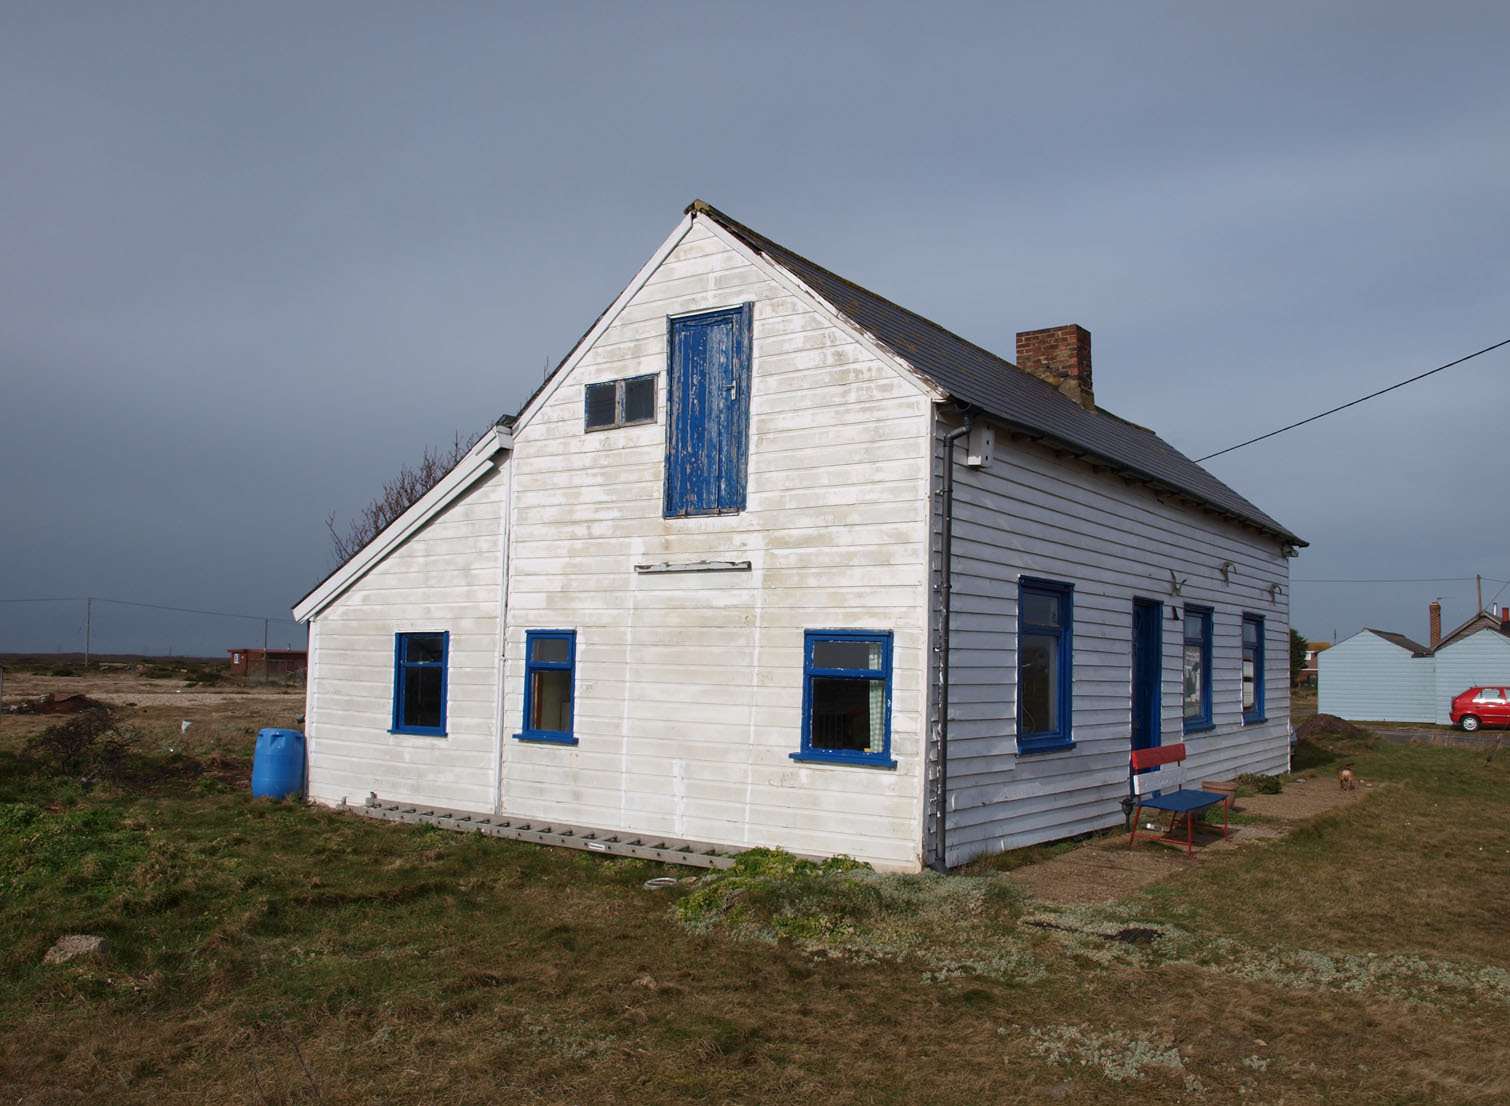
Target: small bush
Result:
[[62, 672], [794, 897], [1255, 784]]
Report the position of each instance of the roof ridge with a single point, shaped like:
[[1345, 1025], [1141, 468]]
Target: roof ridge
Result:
[[702, 207]]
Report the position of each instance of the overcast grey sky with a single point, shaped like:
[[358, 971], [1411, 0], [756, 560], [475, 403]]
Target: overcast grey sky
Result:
[[254, 257]]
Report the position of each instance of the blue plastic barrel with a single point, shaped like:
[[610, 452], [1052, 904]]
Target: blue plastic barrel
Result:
[[278, 764]]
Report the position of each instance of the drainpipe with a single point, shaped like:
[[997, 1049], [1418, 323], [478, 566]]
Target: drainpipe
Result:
[[946, 574]]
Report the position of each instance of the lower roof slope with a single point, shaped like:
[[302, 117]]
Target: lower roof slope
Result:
[[981, 379]]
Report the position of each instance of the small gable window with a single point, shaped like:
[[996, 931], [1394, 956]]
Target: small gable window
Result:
[[613, 403], [419, 683], [550, 669], [846, 698], [1197, 668], [1045, 665]]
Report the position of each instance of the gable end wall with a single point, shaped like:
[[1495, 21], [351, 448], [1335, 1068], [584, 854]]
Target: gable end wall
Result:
[[689, 686]]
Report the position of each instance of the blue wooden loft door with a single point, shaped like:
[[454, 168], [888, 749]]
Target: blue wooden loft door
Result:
[[708, 425]]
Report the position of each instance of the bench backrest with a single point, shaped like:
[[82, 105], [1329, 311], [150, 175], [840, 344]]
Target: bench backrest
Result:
[[1158, 769]]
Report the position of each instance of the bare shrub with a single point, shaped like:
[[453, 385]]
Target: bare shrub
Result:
[[398, 495]]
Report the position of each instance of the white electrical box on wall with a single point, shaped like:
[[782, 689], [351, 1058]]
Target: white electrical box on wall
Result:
[[981, 446]]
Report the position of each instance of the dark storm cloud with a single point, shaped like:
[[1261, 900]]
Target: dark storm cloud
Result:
[[256, 257]]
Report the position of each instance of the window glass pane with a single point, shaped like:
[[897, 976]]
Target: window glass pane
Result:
[[848, 714], [550, 700], [1194, 621], [1250, 686], [550, 649], [422, 697], [847, 654], [1250, 632], [424, 648], [1038, 678], [1193, 675], [602, 404], [639, 399], [1039, 609]]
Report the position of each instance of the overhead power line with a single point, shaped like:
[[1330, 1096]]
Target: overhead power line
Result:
[[1355, 402], [154, 607]]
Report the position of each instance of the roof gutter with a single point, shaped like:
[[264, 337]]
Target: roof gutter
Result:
[[940, 862]]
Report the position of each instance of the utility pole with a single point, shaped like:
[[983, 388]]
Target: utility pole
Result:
[[88, 627], [1478, 583]]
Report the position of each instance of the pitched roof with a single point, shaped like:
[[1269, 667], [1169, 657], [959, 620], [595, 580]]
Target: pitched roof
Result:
[[1481, 621], [981, 379], [1415, 647]]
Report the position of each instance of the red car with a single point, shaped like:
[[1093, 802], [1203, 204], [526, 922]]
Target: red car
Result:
[[1481, 706]]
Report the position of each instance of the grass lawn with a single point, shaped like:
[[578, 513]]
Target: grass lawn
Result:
[[267, 953]]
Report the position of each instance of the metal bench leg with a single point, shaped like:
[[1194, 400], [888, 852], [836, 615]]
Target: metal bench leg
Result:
[[1190, 834], [1137, 813]]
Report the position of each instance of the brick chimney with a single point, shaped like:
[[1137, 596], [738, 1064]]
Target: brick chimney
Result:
[[1060, 355], [1436, 622]]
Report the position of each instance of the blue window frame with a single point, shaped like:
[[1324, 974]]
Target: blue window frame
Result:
[[419, 683], [550, 670], [708, 412], [1045, 665], [1253, 668], [846, 698], [1197, 669]]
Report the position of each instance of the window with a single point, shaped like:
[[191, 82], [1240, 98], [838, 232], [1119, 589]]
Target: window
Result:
[[550, 660], [419, 683], [1045, 665], [846, 698], [708, 412], [1253, 668], [1197, 668], [612, 403]]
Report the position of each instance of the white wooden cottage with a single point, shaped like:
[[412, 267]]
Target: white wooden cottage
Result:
[[1381, 676], [697, 587]]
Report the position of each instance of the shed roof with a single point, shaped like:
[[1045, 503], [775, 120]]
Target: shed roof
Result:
[[981, 379], [1414, 647], [1481, 621]]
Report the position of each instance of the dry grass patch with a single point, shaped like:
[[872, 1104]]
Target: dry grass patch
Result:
[[278, 954]]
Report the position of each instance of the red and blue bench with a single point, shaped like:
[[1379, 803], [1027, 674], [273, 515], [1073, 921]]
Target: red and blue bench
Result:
[[1158, 783]]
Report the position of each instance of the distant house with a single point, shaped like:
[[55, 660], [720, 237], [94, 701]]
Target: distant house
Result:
[[770, 560], [1380, 676], [1307, 676], [265, 664]]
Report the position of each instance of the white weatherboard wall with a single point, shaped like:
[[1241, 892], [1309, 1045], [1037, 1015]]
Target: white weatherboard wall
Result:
[[1035, 513], [1479, 660], [1371, 678], [689, 686], [447, 576]]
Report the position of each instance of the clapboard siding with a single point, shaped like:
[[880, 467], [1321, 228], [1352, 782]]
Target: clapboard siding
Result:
[[1037, 513], [1369, 677], [689, 686], [447, 576]]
